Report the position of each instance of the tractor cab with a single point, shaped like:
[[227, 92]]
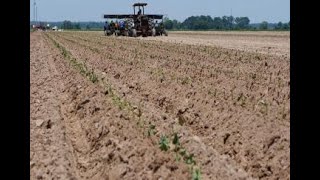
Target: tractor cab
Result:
[[141, 21], [138, 7]]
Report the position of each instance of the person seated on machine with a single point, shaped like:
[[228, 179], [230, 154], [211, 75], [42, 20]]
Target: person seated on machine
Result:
[[112, 25], [106, 26], [139, 12], [122, 25]]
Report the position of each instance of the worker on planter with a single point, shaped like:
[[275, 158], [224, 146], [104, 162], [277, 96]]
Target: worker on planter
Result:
[[112, 26], [117, 25], [156, 25], [122, 25], [106, 26], [161, 28], [139, 14]]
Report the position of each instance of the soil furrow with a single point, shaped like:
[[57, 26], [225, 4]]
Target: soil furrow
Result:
[[229, 106]]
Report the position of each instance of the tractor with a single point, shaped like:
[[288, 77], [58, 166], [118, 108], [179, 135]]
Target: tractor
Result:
[[136, 24]]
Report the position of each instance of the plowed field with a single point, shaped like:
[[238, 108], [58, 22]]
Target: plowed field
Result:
[[208, 104]]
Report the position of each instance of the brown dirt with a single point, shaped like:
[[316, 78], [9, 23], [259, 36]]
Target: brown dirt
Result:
[[230, 107], [275, 43]]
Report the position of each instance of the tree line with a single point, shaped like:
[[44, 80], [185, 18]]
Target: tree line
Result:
[[72, 25], [191, 23], [221, 23]]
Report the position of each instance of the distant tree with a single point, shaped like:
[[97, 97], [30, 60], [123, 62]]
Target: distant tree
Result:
[[263, 25], [286, 26], [66, 25], [225, 22], [279, 26], [188, 23], [198, 22], [87, 27], [168, 24], [242, 22], [176, 24], [207, 22], [76, 26], [217, 23], [228, 22]]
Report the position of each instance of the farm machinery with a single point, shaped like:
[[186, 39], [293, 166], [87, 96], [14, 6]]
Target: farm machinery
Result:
[[136, 24]]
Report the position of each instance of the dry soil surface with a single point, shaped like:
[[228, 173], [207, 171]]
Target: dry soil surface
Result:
[[100, 106], [275, 43]]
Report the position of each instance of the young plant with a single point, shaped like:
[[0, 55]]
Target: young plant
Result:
[[189, 159], [164, 143], [175, 140], [196, 175], [182, 152], [93, 77]]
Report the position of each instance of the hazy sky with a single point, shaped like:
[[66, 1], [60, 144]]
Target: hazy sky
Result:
[[92, 10]]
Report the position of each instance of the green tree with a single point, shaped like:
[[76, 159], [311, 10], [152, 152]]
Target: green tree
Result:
[[198, 22], [176, 24], [168, 24], [188, 23], [263, 25], [279, 25], [217, 23], [76, 26], [228, 22], [242, 22], [66, 25], [286, 26]]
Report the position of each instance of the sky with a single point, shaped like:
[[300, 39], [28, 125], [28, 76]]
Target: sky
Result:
[[92, 10]]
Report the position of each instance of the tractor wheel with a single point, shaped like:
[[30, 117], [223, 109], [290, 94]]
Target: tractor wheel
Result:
[[165, 32], [134, 33], [117, 33], [153, 31], [126, 33], [107, 33]]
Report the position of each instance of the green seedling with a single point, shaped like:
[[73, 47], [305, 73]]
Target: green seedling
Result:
[[196, 175], [182, 152], [176, 139], [164, 143], [189, 159]]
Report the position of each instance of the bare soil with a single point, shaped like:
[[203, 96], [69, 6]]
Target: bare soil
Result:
[[99, 105], [270, 43]]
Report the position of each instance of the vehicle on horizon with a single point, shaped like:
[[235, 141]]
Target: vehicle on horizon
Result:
[[136, 24]]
